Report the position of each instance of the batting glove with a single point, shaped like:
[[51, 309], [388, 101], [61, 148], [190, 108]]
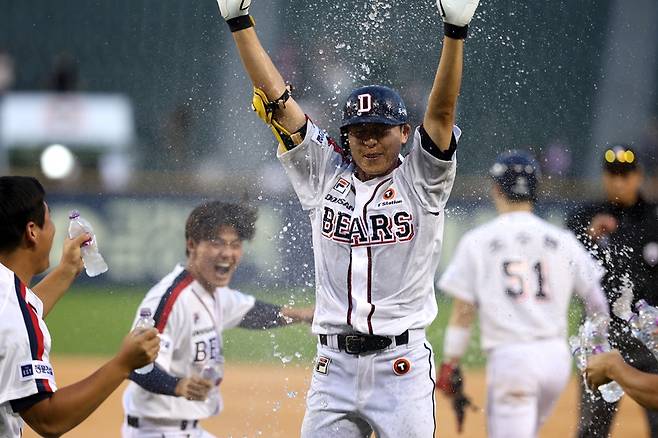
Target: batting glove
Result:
[[456, 15], [450, 378], [236, 13]]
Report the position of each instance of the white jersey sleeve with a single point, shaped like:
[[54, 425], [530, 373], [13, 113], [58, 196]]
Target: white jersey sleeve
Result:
[[25, 367], [311, 164], [234, 305], [459, 280], [430, 177]]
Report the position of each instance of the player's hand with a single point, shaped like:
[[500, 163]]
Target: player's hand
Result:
[[233, 8], [71, 259], [194, 388], [449, 376], [298, 314], [140, 347], [601, 225], [598, 367], [457, 12]]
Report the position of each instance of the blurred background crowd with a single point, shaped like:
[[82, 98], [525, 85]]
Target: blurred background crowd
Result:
[[134, 111]]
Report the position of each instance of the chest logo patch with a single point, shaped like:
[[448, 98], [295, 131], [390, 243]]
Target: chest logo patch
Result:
[[322, 365], [389, 194], [341, 186], [650, 253], [401, 366]]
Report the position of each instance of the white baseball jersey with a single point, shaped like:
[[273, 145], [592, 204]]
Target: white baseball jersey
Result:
[[25, 369], [376, 243], [191, 322], [521, 271]]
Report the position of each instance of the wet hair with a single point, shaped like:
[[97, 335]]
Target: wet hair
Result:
[[21, 202], [207, 218]]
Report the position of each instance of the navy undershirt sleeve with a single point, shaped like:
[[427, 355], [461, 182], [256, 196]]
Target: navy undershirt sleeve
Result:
[[21, 404], [428, 144], [157, 381], [263, 316]]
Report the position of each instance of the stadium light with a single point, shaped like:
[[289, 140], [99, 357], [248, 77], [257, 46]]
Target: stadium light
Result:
[[57, 161]]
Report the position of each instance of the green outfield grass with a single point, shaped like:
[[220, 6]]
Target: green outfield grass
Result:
[[93, 321]]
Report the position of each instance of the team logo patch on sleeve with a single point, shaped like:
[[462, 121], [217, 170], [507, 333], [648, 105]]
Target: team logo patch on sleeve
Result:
[[341, 186], [322, 365], [35, 369], [401, 367]]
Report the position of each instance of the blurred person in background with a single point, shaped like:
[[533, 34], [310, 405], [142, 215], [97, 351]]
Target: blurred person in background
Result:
[[622, 234], [640, 386], [192, 306], [517, 273], [27, 383]]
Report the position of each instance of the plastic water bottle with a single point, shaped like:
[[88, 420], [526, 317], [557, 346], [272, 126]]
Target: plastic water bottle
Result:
[[611, 392], [214, 371], [647, 325], [145, 321], [593, 339], [93, 260]]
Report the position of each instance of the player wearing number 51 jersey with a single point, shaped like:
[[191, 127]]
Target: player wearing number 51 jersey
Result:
[[518, 273]]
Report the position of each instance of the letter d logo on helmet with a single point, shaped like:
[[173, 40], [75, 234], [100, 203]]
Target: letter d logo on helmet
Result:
[[372, 104]]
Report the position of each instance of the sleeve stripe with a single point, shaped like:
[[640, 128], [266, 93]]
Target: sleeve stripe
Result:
[[34, 333], [169, 298]]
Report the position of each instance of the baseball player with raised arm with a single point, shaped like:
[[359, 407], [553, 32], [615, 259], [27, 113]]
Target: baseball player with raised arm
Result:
[[517, 273], [192, 306], [28, 392], [377, 226]]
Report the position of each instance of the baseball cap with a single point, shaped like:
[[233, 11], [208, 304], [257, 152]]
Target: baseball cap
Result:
[[620, 159]]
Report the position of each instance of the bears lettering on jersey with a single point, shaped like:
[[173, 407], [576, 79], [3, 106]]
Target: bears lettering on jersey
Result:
[[206, 350], [377, 229]]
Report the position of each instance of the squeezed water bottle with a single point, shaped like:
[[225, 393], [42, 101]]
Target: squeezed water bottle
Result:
[[592, 338], [647, 324], [92, 259], [214, 371], [611, 392], [145, 321]]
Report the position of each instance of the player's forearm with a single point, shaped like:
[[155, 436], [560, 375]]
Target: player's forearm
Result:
[[640, 386], [441, 107], [69, 406], [264, 75], [54, 285]]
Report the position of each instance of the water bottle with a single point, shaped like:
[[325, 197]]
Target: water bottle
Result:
[[647, 325], [592, 338], [93, 261], [214, 371], [144, 322], [611, 392]]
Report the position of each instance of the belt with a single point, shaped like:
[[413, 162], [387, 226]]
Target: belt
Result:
[[137, 422], [359, 343]]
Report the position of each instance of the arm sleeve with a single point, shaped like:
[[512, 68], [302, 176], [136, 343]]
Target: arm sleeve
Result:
[[157, 381], [25, 368], [263, 316], [24, 403], [429, 171], [458, 280], [588, 274], [311, 164]]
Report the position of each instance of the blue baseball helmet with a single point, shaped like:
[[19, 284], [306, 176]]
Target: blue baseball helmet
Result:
[[517, 174], [372, 104]]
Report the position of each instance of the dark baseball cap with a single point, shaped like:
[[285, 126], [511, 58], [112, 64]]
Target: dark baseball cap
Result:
[[620, 159]]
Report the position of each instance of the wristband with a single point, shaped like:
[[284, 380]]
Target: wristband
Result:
[[456, 32], [241, 22], [455, 342]]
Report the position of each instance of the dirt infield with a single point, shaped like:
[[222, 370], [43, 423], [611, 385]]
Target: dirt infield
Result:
[[267, 401]]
